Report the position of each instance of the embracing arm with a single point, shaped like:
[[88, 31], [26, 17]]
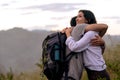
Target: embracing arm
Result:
[[80, 45], [101, 28], [98, 41]]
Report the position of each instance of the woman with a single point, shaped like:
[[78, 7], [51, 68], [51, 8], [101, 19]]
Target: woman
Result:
[[97, 41], [92, 55]]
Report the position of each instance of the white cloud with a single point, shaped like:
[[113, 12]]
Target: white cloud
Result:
[[18, 12]]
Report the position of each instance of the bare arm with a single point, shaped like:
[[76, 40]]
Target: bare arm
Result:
[[98, 41], [101, 28]]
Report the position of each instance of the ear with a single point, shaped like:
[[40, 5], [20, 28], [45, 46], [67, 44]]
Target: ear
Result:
[[86, 21]]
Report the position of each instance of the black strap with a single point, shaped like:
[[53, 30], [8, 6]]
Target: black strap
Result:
[[70, 55], [68, 58], [69, 78]]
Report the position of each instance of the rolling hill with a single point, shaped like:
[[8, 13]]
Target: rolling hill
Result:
[[21, 49]]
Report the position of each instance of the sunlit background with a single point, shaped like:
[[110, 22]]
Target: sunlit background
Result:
[[56, 14]]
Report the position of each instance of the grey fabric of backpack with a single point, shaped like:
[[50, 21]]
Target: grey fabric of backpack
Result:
[[53, 55]]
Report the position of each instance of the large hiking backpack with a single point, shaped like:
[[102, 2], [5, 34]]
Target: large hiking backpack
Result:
[[53, 55]]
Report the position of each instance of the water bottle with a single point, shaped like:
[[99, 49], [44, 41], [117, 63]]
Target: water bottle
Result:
[[57, 52]]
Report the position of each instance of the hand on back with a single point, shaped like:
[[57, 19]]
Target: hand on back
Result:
[[97, 41]]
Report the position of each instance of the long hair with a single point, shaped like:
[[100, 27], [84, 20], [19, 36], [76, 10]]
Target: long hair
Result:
[[89, 16]]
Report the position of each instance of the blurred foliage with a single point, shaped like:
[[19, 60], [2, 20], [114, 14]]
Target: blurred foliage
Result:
[[111, 57], [7, 76], [113, 62]]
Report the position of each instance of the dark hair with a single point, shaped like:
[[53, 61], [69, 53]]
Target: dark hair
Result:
[[73, 21], [89, 16]]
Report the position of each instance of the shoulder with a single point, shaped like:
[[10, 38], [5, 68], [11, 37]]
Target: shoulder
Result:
[[91, 33], [80, 25], [80, 28]]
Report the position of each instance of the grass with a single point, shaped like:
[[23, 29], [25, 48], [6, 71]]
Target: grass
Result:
[[113, 62], [111, 57]]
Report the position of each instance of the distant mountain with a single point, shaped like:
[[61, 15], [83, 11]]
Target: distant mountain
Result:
[[21, 49], [111, 40]]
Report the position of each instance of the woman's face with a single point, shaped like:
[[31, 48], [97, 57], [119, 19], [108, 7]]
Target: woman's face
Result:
[[80, 18]]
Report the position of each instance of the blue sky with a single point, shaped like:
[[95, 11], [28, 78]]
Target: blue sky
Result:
[[56, 14]]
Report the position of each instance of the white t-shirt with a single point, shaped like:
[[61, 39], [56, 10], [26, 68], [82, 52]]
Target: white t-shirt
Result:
[[93, 58]]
